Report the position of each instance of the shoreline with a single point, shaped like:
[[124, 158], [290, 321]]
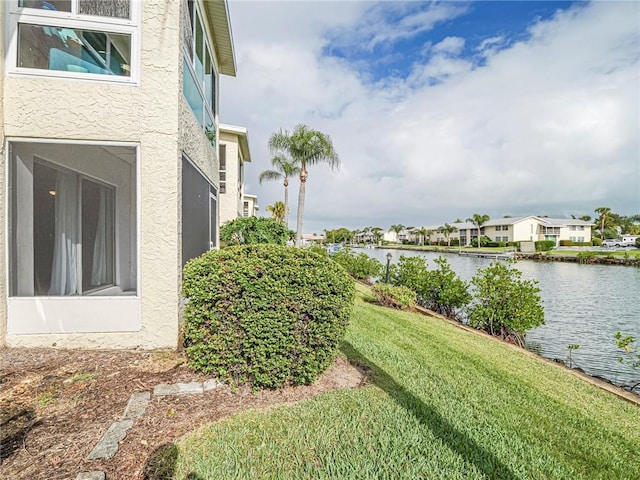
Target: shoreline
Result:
[[596, 259]]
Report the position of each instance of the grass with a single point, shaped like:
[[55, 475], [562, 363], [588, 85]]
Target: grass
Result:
[[624, 253], [444, 403]]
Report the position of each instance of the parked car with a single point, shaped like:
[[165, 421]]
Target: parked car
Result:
[[616, 242]]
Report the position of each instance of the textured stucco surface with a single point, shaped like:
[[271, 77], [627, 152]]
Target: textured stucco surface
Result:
[[147, 115], [3, 252], [231, 201]]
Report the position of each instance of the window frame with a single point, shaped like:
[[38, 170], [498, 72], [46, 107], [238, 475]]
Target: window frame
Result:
[[40, 17], [47, 162], [189, 60]]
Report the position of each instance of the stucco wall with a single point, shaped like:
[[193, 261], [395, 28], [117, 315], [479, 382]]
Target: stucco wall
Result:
[[522, 230], [146, 114], [231, 201], [3, 163]]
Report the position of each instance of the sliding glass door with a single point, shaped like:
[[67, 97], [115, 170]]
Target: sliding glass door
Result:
[[71, 233]]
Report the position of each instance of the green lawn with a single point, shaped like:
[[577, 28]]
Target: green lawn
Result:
[[626, 252], [444, 403]]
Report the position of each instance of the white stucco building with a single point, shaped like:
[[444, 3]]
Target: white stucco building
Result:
[[234, 154], [110, 173], [517, 229], [249, 205]]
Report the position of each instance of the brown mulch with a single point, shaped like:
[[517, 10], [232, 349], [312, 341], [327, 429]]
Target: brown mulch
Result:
[[56, 404]]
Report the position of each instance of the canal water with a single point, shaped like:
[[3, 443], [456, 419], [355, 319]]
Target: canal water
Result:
[[583, 305]]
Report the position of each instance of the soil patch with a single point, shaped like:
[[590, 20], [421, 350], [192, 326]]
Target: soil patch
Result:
[[56, 404]]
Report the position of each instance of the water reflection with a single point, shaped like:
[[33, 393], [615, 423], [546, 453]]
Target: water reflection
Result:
[[584, 305]]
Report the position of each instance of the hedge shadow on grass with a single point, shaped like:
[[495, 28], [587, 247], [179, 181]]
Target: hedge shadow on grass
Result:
[[470, 451]]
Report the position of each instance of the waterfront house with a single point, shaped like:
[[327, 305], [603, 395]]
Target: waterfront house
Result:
[[234, 154], [515, 229], [109, 131]]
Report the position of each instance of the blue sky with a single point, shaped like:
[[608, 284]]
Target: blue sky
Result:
[[478, 24], [439, 110]]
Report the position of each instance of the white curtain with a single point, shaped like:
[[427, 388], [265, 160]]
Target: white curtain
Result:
[[99, 265], [64, 272]]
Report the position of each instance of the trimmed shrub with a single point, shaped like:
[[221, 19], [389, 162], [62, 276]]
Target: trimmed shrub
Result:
[[496, 244], [566, 243], [359, 265], [394, 296], [596, 242], [265, 315], [455, 242], [544, 245], [248, 230]]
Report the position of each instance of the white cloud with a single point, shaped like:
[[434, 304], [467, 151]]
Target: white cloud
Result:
[[450, 45], [547, 125]]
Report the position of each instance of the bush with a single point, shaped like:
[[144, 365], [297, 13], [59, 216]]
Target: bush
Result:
[[251, 230], [544, 245], [566, 243], [265, 315], [514, 244], [638, 242], [394, 296], [439, 290], [359, 265], [319, 249], [455, 242], [596, 242], [505, 305], [484, 240], [496, 244]]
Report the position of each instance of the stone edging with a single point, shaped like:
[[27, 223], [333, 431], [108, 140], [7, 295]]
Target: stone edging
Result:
[[108, 445]]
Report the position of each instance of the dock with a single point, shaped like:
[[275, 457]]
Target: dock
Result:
[[494, 256]]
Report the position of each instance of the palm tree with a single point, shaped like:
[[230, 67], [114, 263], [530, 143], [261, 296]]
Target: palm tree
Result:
[[479, 220], [603, 211], [377, 233], [305, 147], [284, 169], [277, 211], [448, 230], [422, 232], [397, 228], [428, 234]]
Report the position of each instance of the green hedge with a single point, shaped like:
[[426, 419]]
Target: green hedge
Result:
[[544, 245], [265, 315]]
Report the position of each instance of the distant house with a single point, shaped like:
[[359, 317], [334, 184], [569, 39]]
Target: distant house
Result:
[[249, 205], [234, 154], [109, 134], [515, 229]]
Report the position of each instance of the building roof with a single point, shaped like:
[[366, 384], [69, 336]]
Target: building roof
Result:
[[220, 26], [243, 139]]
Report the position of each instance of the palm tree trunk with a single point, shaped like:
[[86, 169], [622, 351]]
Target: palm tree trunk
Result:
[[303, 182], [286, 201], [478, 236]]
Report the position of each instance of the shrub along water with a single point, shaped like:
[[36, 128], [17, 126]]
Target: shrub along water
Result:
[[359, 265], [440, 290], [265, 315], [394, 296], [505, 305]]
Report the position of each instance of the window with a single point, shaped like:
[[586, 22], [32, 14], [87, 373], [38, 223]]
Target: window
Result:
[[67, 203], [199, 212], [199, 73], [77, 38], [223, 167], [246, 209]]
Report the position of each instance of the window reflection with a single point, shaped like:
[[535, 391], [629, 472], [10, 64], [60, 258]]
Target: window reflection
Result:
[[73, 50]]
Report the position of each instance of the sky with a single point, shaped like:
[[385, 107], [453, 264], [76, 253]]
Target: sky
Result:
[[439, 110]]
